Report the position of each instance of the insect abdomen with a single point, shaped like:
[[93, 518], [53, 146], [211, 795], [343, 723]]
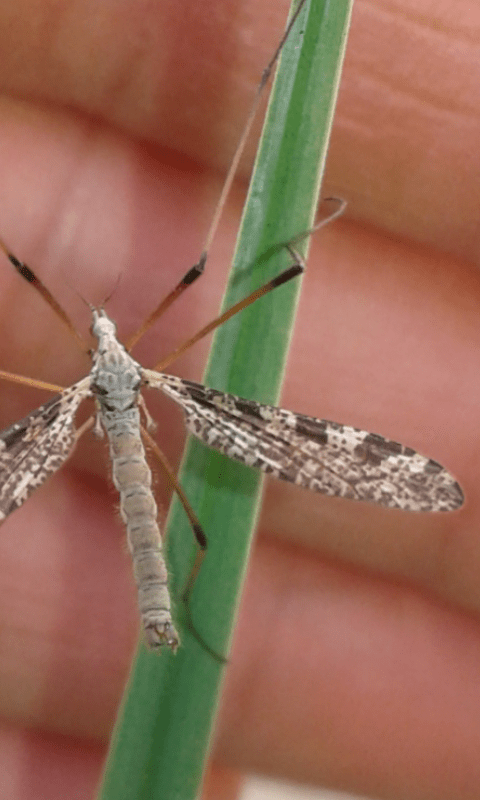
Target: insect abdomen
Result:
[[133, 479]]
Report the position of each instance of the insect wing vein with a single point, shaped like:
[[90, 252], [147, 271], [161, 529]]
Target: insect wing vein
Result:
[[36, 446], [320, 455]]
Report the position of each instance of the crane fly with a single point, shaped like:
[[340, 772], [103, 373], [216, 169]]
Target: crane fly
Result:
[[323, 456]]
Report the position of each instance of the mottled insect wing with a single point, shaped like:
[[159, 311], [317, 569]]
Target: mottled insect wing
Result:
[[323, 456], [36, 446]]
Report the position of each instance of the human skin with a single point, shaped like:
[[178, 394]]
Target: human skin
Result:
[[356, 662]]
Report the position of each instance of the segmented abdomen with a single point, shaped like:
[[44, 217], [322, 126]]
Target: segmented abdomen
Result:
[[133, 479]]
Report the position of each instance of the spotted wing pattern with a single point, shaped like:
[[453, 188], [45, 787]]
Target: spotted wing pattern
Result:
[[320, 455], [38, 445]]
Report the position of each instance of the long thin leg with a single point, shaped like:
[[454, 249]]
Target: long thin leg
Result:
[[198, 268], [33, 382], [199, 536], [284, 277], [89, 423], [297, 268], [40, 287], [191, 276]]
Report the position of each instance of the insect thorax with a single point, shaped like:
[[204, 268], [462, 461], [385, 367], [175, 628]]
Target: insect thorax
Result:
[[116, 377]]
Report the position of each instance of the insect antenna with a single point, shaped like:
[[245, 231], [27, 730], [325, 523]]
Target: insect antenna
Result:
[[199, 536], [40, 287], [197, 270]]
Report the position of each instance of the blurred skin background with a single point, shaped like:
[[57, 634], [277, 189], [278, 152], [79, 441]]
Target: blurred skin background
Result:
[[357, 657]]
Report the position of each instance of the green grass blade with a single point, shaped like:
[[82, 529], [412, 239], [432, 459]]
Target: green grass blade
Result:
[[164, 727]]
